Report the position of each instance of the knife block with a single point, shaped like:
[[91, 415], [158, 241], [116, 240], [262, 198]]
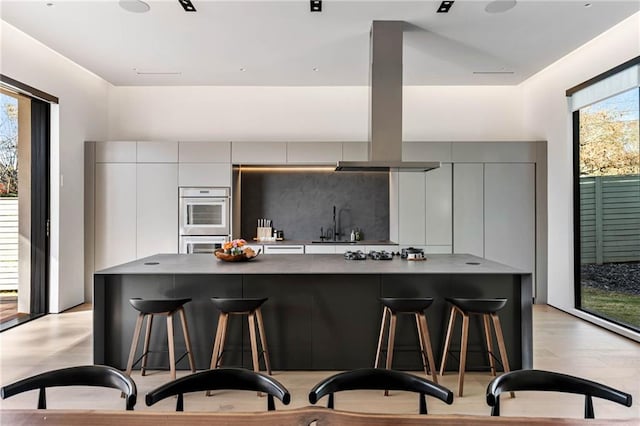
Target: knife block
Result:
[[264, 233]]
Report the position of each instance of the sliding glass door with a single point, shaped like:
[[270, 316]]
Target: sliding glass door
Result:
[[608, 208]]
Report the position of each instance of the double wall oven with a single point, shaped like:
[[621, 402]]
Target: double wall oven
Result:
[[204, 219]]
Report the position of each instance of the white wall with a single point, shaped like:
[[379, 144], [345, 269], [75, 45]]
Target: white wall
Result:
[[309, 113], [547, 117], [82, 113]]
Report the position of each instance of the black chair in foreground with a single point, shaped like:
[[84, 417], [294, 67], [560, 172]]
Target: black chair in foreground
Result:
[[221, 378], [88, 375], [379, 379], [538, 380]]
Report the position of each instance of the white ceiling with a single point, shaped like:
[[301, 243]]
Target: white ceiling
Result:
[[280, 43]]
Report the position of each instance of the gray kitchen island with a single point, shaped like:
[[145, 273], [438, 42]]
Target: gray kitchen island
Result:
[[323, 311]]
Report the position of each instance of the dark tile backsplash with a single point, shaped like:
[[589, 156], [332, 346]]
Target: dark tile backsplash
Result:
[[301, 202]]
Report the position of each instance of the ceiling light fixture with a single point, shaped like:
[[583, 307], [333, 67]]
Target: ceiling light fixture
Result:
[[139, 72], [242, 69], [315, 5], [587, 5], [315, 69], [187, 5], [500, 6], [445, 6], [134, 6], [494, 72]]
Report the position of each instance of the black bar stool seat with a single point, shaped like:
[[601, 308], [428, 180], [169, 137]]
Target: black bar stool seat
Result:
[[407, 305], [478, 306], [157, 306], [488, 309], [150, 308], [413, 306], [236, 305]]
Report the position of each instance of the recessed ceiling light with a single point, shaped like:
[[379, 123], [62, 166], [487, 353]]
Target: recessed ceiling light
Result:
[[135, 6], [587, 5], [50, 4], [187, 5], [242, 69], [149, 72], [315, 5], [316, 69], [500, 6], [494, 72]]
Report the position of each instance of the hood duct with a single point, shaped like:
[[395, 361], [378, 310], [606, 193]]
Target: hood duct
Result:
[[385, 104]]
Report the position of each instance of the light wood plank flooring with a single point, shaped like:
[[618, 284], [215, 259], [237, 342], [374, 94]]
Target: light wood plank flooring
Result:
[[561, 343]]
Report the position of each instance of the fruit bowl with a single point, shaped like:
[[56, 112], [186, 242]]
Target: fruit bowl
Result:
[[242, 257]]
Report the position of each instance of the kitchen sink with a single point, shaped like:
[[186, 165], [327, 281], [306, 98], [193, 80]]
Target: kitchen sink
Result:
[[332, 242]]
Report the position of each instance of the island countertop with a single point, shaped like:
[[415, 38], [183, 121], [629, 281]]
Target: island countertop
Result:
[[310, 264]]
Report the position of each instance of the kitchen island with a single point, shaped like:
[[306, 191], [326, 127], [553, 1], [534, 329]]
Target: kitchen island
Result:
[[323, 311]]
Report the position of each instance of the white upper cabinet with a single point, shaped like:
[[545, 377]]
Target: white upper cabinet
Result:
[[426, 151], [116, 152], [439, 206], [157, 209], [494, 152], [204, 174], [468, 209], [204, 152], [157, 152], [259, 153], [355, 151], [314, 152]]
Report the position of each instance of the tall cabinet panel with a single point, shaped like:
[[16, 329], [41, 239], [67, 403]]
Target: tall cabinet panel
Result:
[[438, 207], [115, 214], [510, 214], [157, 210], [468, 208], [411, 208]]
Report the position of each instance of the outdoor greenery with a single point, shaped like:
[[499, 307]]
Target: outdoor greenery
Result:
[[620, 307], [8, 146]]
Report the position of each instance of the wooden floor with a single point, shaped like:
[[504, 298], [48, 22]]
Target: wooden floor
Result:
[[9, 308], [561, 343]]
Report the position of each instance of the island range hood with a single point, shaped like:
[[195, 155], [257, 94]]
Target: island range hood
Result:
[[385, 105]]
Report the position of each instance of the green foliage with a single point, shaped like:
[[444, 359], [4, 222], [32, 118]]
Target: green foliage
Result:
[[621, 307], [8, 148]]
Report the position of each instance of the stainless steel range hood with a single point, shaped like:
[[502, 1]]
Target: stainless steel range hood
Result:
[[385, 104]]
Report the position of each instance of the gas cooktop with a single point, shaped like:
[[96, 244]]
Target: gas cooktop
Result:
[[373, 255]]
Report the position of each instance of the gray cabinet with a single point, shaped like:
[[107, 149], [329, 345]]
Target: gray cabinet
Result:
[[468, 209], [157, 209], [115, 214], [411, 208], [509, 214], [355, 151], [116, 152], [314, 152], [157, 152], [438, 189], [259, 153], [204, 152], [204, 174]]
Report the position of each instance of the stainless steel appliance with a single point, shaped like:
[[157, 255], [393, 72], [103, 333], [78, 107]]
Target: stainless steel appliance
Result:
[[204, 219], [191, 244]]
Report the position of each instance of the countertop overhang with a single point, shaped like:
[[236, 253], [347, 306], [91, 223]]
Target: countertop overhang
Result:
[[310, 264]]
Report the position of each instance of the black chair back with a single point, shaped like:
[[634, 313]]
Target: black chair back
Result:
[[221, 378], [87, 375], [538, 380], [377, 378]]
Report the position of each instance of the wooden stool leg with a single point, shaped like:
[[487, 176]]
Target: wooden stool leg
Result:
[[425, 363], [263, 340], [447, 340], [379, 350], [392, 336], [134, 342], [187, 339], [254, 343], [172, 355], [427, 344], [501, 346], [463, 351], [487, 335], [216, 345], [223, 338], [145, 348]]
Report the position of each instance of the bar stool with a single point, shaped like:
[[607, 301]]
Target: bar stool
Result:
[[150, 308], [416, 307], [488, 308], [239, 306]]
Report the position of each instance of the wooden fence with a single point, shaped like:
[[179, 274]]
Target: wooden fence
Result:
[[610, 219], [9, 243]]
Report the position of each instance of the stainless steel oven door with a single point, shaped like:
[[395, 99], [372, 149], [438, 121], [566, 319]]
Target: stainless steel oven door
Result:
[[204, 216], [201, 244]]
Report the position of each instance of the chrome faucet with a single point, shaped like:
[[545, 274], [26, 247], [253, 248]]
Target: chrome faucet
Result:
[[336, 233]]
